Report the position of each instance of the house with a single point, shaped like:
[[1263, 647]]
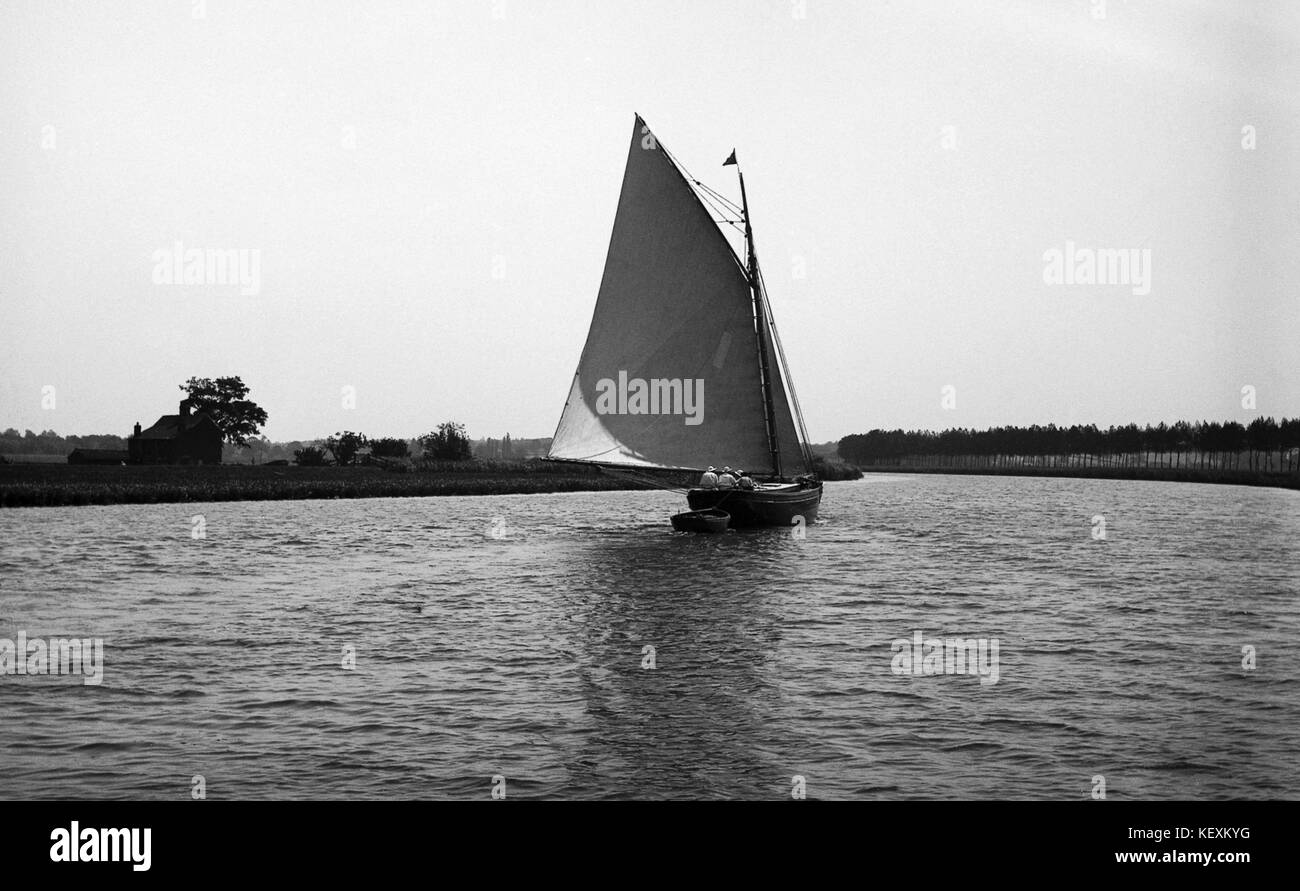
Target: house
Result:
[[184, 438], [98, 456]]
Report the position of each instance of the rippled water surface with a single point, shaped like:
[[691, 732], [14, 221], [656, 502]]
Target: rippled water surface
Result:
[[506, 636]]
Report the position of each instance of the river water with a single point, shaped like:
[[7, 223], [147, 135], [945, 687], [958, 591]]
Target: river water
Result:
[[573, 646]]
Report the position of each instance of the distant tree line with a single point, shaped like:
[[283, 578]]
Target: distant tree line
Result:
[[344, 447], [48, 442], [497, 449], [1263, 444], [448, 442], [510, 449]]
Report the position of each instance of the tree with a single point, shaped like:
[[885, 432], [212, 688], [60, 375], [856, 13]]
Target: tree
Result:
[[1289, 435], [1182, 438], [1234, 440], [223, 400], [1262, 436], [448, 443], [389, 447], [309, 456], [260, 446], [1182, 444], [344, 446]]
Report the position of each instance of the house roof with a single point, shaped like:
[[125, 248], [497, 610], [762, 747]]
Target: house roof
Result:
[[171, 426], [114, 454]]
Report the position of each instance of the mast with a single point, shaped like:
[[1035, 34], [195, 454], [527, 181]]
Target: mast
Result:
[[760, 317], [677, 300]]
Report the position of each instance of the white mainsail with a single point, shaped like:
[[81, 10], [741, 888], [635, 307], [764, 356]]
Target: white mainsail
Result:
[[670, 375]]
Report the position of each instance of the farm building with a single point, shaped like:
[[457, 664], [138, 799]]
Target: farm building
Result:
[[98, 456], [184, 438]]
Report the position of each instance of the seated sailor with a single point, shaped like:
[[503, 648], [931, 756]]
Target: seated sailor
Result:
[[744, 482], [726, 480], [710, 479]]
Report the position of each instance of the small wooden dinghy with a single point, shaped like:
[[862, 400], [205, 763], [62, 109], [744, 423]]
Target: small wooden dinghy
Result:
[[708, 520]]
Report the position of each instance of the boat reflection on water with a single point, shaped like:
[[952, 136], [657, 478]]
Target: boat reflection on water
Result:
[[678, 681]]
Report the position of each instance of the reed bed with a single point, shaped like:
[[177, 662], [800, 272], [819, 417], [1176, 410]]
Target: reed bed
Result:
[[1225, 476], [51, 485]]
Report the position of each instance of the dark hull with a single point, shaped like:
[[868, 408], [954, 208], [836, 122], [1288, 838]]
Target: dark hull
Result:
[[760, 507]]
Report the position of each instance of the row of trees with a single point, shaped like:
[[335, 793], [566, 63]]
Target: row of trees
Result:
[[496, 449], [447, 443], [1264, 443], [511, 448], [47, 442]]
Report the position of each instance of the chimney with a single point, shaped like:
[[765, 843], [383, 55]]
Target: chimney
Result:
[[185, 409], [137, 428]]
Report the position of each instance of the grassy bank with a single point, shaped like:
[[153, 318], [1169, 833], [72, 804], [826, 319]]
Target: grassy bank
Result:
[[49, 485], [1167, 474]]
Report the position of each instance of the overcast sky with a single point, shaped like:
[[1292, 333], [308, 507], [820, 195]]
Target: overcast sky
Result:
[[431, 187]]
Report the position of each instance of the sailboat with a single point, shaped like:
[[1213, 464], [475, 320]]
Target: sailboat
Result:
[[683, 368]]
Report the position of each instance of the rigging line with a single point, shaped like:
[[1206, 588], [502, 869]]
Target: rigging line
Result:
[[712, 200], [716, 194], [690, 178], [805, 445], [678, 170], [704, 199], [735, 224], [709, 188], [644, 480]]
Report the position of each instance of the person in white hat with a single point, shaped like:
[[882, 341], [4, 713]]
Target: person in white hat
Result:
[[710, 479], [726, 479]]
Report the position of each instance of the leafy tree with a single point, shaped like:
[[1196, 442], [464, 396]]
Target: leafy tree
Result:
[[1289, 434], [224, 400], [309, 456], [344, 446], [1263, 436], [448, 443], [389, 447]]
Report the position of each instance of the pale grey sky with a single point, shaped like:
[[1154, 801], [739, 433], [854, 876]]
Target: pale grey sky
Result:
[[431, 189]]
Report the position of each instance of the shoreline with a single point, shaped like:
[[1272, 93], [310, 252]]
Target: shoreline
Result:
[[1215, 476], [66, 485]]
